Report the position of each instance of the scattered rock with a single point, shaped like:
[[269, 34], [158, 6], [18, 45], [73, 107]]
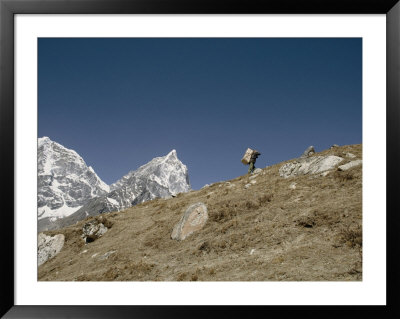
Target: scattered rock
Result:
[[312, 165], [93, 230], [257, 171], [205, 186], [49, 246], [308, 152], [350, 155], [247, 185], [194, 218], [94, 255], [325, 173], [253, 182], [107, 254], [334, 145], [349, 165], [252, 251], [292, 186]]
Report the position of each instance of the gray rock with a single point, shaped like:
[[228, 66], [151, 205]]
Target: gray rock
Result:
[[350, 155], [49, 246], [247, 185], [308, 152], [107, 254], [229, 185], [334, 145], [349, 165], [194, 218], [312, 165], [255, 173], [93, 230]]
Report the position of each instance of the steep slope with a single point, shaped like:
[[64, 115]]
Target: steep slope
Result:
[[261, 227], [160, 178], [65, 182]]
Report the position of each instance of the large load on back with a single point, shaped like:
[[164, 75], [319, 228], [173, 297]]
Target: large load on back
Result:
[[247, 156]]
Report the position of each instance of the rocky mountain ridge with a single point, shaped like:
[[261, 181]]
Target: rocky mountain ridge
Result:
[[161, 177], [65, 182]]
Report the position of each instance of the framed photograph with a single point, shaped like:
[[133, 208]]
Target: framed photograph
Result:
[[112, 113]]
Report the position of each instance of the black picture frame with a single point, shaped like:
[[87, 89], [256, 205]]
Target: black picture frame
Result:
[[8, 8]]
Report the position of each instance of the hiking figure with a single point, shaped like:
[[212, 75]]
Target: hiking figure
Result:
[[253, 162], [249, 158]]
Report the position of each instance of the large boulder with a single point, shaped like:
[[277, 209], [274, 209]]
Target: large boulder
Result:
[[349, 165], [192, 220], [49, 246], [93, 230], [311, 165]]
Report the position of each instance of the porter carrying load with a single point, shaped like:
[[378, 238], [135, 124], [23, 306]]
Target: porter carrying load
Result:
[[249, 158]]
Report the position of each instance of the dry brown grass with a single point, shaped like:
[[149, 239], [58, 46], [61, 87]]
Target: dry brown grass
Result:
[[351, 237], [268, 231]]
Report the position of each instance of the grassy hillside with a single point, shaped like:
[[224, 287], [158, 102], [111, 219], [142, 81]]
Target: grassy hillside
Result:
[[299, 228]]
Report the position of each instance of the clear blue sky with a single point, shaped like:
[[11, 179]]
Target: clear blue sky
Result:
[[121, 102]]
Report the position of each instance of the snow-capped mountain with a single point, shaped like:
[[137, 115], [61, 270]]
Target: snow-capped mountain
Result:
[[65, 182], [161, 177], [167, 171]]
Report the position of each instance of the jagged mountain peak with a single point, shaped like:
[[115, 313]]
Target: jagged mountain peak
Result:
[[65, 182], [161, 177], [163, 166], [172, 154], [49, 152], [43, 139]]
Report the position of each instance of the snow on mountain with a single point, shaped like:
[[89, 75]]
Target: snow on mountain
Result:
[[167, 171], [161, 177], [65, 182]]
